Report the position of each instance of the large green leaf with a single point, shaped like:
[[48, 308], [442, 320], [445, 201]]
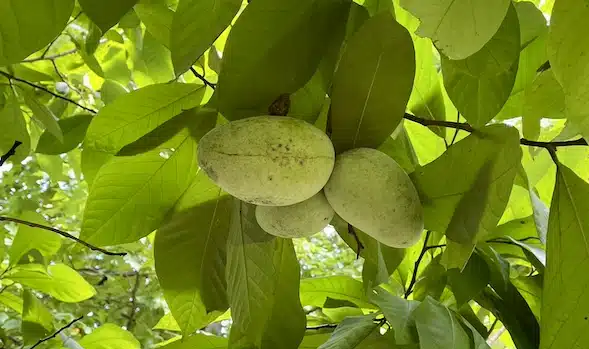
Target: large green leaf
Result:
[[398, 312], [58, 280], [28, 238], [195, 26], [544, 98], [106, 13], [316, 291], [109, 336], [567, 50], [27, 26], [157, 19], [532, 23], [358, 332], [438, 327], [190, 255], [199, 341], [14, 128], [480, 85], [468, 190], [74, 130], [565, 299], [262, 279], [459, 28], [154, 62], [131, 195], [135, 114], [274, 48], [37, 321], [372, 84], [470, 281], [531, 289]]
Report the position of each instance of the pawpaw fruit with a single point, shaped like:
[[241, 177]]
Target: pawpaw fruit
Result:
[[267, 160], [370, 191], [296, 221]]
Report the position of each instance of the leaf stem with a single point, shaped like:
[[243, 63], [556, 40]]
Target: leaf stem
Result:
[[62, 233], [417, 262], [321, 327], [202, 78], [51, 58], [58, 332]]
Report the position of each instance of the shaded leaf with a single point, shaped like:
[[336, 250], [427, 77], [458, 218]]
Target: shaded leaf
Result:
[[358, 332], [106, 13], [398, 312], [28, 238], [372, 84], [37, 321], [530, 287], [432, 281], [14, 128], [157, 19], [74, 129], [199, 341], [43, 115], [438, 327], [466, 284]]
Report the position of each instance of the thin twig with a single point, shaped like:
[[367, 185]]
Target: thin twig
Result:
[[492, 328], [132, 311], [321, 327], [58, 332], [51, 58], [10, 152], [62, 233], [359, 244], [455, 130], [416, 267], [434, 246], [12, 77], [202, 78], [57, 37]]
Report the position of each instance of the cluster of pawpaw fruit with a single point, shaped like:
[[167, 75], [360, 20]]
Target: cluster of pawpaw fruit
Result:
[[289, 169]]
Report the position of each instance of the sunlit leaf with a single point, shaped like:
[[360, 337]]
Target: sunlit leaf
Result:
[[316, 291], [74, 129], [157, 19], [28, 238], [37, 321], [109, 336]]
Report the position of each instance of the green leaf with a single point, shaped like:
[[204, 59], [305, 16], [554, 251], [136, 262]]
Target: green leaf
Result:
[[134, 114], [372, 84], [106, 13], [478, 342], [59, 281], [532, 22], [190, 255], [74, 129], [444, 183], [480, 85], [167, 322], [316, 291], [12, 301], [399, 147], [157, 19], [195, 26], [14, 128], [544, 98], [459, 28], [456, 255], [530, 287], [199, 341], [565, 300], [438, 327], [314, 340], [154, 61], [43, 115], [398, 312], [109, 336], [131, 195], [27, 26], [111, 90], [567, 51], [274, 48], [37, 321], [466, 284], [358, 332], [262, 279], [28, 238], [432, 281]]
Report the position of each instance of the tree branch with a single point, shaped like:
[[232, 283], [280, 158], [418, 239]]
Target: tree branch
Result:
[[58, 332], [50, 58], [10, 152], [202, 78], [12, 77], [321, 327], [133, 312], [417, 262], [62, 233], [360, 247]]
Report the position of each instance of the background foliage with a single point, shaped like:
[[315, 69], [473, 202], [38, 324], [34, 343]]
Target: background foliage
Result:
[[112, 238]]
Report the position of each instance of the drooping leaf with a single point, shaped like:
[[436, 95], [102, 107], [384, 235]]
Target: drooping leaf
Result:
[[130, 196], [372, 84], [438, 327], [28, 238], [14, 128], [157, 19], [295, 33], [190, 255], [262, 280], [358, 332], [109, 336], [398, 312], [316, 291], [74, 129], [106, 13], [58, 280], [565, 301], [567, 51], [27, 26], [442, 195], [43, 115], [133, 115], [480, 85], [199, 341], [531, 289], [466, 284], [459, 28], [195, 26], [37, 321]]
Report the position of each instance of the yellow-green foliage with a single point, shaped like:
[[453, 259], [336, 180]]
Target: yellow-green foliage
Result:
[[295, 221], [268, 160], [373, 193]]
